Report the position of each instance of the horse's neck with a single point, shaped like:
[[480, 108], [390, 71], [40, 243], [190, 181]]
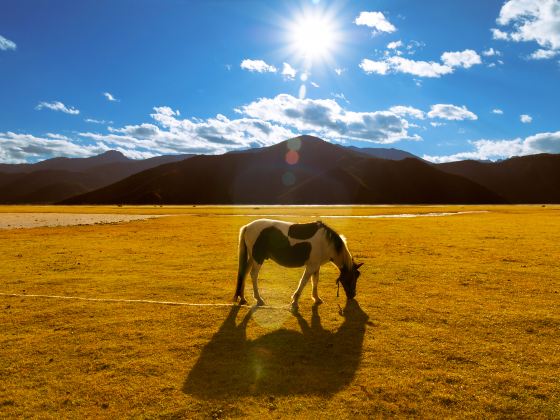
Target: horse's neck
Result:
[[342, 259]]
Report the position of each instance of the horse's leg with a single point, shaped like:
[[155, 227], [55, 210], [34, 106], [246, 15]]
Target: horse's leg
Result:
[[255, 268], [242, 300], [302, 283], [314, 284]]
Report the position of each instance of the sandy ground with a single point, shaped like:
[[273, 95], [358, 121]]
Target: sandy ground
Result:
[[31, 220]]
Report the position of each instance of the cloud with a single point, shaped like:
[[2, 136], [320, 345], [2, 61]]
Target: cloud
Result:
[[339, 71], [436, 124], [340, 96], [327, 119], [499, 35], [169, 133], [396, 64], [530, 20], [315, 85], [6, 44], [491, 52], [541, 54], [497, 111], [465, 59], [94, 121], [403, 111], [375, 20], [257, 65], [418, 68], [288, 71], [503, 149], [370, 66], [57, 106], [394, 45], [110, 97], [525, 119], [20, 148], [451, 112]]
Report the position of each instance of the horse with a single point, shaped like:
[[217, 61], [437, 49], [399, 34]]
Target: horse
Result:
[[293, 245]]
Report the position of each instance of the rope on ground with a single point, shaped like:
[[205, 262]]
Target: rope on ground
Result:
[[155, 302]]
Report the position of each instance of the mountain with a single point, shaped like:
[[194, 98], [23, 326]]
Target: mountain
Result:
[[525, 179], [384, 153], [324, 174], [56, 179]]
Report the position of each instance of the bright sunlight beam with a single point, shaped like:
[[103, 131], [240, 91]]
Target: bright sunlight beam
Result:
[[313, 36]]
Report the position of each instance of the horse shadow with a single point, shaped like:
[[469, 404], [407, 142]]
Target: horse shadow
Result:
[[283, 362]]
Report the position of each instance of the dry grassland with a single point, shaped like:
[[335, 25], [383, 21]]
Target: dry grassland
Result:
[[456, 317]]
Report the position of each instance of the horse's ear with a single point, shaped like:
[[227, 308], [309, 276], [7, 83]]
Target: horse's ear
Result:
[[358, 265]]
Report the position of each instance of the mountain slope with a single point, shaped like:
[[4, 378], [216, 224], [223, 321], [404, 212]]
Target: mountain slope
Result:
[[384, 153], [56, 179], [324, 174], [526, 179]]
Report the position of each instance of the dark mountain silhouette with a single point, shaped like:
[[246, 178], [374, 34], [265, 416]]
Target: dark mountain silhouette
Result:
[[324, 174], [384, 153], [56, 179], [526, 179]]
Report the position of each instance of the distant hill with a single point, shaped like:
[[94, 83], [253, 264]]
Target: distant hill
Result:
[[55, 179], [384, 153], [324, 174], [525, 179]]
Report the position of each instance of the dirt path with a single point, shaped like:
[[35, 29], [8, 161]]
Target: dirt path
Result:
[[31, 220]]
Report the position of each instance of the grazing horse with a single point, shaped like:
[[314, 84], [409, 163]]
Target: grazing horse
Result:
[[293, 245]]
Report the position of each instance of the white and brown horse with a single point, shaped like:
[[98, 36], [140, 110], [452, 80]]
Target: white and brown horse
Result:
[[308, 245]]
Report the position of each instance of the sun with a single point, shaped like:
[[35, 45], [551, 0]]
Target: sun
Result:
[[313, 36]]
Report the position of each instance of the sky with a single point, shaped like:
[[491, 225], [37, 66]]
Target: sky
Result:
[[445, 80]]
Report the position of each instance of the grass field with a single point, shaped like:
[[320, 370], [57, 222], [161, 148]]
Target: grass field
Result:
[[455, 316]]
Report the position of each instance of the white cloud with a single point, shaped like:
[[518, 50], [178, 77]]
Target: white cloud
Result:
[[497, 111], [340, 96], [339, 71], [94, 121], [541, 54], [6, 44], [315, 85], [404, 65], [503, 149], [327, 119], [451, 112], [530, 20], [465, 59], [525, 119], [57, 106], [20, 148], [370, 66], [288, 71], [257, 65], [436, 124], [418, 68], [375, 20], [403, 111], [394, 45], [491, 52], [499, 35], [110, 97]]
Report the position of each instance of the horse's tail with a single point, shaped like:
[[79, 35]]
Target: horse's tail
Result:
[[243, 264]]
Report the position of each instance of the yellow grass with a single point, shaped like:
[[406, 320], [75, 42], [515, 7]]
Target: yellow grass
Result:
[[458, 317]]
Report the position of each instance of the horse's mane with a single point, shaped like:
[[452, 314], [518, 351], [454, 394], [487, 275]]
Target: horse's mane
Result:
[[333, 237], [338, 242]]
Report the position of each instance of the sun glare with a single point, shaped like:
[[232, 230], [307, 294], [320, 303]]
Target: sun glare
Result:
[[313, 36]]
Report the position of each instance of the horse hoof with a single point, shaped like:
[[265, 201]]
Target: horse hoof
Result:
[[294, 308], [242, 301], [260, 302], [318, 301]]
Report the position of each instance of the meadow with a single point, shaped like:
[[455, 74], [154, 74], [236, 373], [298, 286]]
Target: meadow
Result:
[[455, 316]]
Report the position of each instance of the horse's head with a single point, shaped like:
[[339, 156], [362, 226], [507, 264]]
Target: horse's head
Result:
[[348, 278]]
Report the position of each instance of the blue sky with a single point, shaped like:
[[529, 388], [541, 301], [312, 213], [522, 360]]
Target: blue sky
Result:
[[445, 80]]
